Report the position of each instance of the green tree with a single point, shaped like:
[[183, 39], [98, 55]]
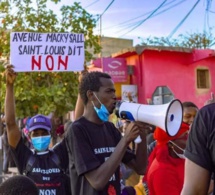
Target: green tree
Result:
[[44, 92], [190, 40]]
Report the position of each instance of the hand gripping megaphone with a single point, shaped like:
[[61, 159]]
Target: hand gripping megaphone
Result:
[[166, 116]]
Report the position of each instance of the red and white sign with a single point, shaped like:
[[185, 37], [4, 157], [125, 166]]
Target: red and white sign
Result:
[[30, 51], [115, 67]]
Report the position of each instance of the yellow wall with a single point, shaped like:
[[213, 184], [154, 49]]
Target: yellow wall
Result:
[[118, 88]]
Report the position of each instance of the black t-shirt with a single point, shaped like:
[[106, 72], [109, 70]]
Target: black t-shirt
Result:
[[89, 145], [201, 142], [47, 175]]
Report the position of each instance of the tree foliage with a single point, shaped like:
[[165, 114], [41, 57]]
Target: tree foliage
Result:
[[44, 92], [190, 40]]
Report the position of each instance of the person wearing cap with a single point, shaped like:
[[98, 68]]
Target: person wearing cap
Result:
[[39, 131], [39, 163]]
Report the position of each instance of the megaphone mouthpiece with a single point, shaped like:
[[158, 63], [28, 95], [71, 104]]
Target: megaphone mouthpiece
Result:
[[171, 117]]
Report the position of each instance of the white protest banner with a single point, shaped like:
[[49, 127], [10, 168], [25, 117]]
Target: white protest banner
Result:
[[32, 52]]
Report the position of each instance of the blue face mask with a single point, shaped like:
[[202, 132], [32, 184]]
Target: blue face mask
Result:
[[102, 112], [41, 143]]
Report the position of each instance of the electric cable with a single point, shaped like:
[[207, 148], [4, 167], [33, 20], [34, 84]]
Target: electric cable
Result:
[[134, 24], [106, 9], [206, 18], [213, 12], [151, 11], [125, 23], [183, 20], [145, 18], [91, 4]]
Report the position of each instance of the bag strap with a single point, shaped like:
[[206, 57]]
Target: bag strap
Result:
[[32, 160], [30, 164], [56, 160]]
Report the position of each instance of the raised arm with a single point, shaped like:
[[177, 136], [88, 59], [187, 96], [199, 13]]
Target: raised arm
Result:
[[192, 183], [79, 107], [13, 132]]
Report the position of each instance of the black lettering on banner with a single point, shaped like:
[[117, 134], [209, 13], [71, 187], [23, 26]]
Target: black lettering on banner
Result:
[[76, 50], [27, 37], [76, 38], [56, 37], [29, 49], [55, 50]]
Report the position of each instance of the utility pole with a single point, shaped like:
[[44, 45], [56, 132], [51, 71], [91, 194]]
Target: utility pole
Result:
[[100, 39], [101, 29]]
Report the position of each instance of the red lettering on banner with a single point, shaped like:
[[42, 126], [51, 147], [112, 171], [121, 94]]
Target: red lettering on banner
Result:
[[49, 62], [64, 63], [35, 63]]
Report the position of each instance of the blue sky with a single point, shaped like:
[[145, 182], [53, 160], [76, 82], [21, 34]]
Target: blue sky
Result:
[[131, 19]]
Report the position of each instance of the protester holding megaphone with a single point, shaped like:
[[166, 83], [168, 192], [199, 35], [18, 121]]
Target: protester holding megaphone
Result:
[[95, 146]]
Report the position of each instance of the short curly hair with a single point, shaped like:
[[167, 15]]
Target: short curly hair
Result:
[[91, 81], [19, 184]]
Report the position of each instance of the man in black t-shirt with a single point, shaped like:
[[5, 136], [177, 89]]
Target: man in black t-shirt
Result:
[[41, 164], [200, 152], [95, 146]]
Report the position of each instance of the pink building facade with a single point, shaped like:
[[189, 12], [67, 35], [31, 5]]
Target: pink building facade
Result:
[[188, 73]]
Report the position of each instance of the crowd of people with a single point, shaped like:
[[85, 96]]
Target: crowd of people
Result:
[[94, 156]]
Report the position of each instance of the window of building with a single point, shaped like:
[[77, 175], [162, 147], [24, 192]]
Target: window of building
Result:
[[162, 95], [202, 78]]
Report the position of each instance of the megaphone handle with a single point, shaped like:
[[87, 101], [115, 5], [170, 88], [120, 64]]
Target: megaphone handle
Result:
[[138, 140]]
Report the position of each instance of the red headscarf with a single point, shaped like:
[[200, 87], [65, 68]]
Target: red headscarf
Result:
[[162, 137], [161, 148]]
